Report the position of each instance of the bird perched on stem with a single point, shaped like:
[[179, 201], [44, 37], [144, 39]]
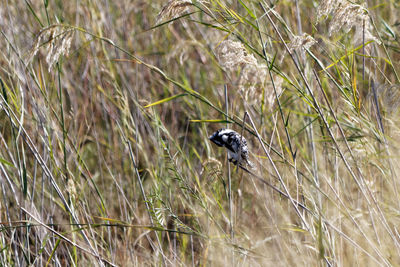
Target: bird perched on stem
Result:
[[238, 152]]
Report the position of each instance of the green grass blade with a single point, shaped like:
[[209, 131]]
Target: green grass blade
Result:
[[165, 100]]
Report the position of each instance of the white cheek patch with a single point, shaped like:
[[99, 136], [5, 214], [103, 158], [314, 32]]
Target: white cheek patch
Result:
[[225, 138], [225, 131]]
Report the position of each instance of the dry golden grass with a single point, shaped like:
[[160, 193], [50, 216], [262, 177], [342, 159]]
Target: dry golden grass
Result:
[[106, 108]]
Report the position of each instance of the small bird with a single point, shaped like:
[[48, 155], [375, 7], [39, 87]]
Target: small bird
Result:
[[235, 144]]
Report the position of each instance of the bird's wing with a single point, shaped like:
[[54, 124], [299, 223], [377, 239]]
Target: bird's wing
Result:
[[229, 146], [233, 144]]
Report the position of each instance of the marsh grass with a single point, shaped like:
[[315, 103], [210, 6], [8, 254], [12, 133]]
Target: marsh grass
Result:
[[106, 108]]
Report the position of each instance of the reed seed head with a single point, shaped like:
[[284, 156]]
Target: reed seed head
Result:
[[346, 16], [304, 41], [173, 9], [57, 40]]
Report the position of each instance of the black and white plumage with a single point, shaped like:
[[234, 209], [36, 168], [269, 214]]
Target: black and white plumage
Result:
[[232, 141]]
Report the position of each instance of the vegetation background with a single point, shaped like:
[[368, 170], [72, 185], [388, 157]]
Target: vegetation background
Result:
[[106, 108]]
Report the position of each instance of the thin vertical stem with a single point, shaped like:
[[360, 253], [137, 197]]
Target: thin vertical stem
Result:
[[60, 100], [363, 51], [298, 17], [232, 233], [144, 197]]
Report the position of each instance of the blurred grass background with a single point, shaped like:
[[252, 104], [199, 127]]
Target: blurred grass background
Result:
[[106, 108]]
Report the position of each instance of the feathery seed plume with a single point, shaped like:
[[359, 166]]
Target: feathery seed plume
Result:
[[304, 41], [57, 39], [233, 56], [346, 16], [173, 9]]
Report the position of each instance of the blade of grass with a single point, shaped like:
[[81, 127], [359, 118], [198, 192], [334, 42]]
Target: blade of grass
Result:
[[165, 100]]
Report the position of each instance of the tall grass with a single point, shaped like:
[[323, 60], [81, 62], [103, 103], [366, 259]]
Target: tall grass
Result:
[[106, 108]]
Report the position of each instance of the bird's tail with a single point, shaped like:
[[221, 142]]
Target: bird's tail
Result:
[[249, 164]]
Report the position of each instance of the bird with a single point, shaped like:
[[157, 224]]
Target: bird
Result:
[[238, 152]]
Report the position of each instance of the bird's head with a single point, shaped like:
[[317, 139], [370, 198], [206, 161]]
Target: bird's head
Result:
[[219, 137]]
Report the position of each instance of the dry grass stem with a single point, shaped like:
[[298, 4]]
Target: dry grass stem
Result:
[[106, 109]]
